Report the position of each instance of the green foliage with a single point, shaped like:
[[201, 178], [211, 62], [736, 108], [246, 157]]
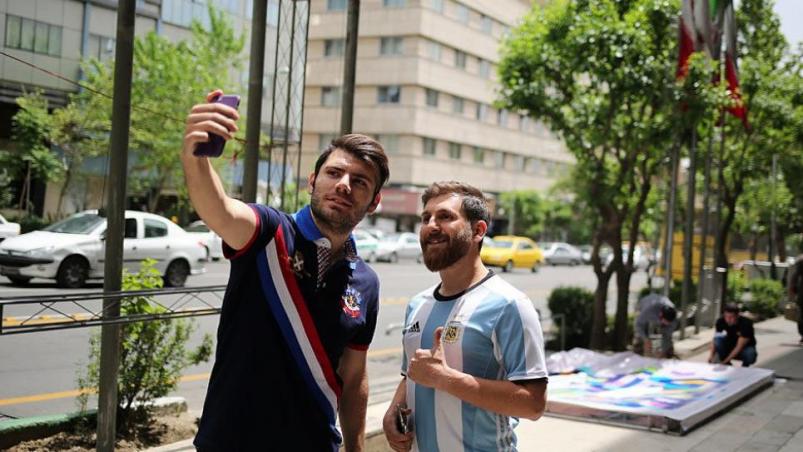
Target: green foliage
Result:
[[610, 328], [30, 223], [766, 296], [526, 210], [737, 285], [168, 79], [153, 353], [576, 304]]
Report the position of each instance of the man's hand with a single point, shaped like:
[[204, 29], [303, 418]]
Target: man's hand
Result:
[[428, 367], [209, 118], [399, 442]]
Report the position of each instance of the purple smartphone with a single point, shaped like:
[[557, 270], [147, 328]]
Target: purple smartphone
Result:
[[214, 147]]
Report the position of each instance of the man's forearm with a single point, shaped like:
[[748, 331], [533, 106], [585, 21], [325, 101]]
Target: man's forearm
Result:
[[353, 406], [499, 396]]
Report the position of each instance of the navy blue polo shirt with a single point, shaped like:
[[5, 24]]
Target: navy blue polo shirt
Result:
[[256, 399]]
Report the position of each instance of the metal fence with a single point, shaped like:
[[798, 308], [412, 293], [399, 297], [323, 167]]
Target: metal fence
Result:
[[32, 314]]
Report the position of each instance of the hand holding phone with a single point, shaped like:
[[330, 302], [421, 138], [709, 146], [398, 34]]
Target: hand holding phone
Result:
[[214, 147]]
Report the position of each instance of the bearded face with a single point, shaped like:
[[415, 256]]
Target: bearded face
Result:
[[442, 250]]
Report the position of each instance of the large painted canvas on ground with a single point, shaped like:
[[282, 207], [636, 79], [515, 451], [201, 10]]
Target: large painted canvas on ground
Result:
[[627, 389]]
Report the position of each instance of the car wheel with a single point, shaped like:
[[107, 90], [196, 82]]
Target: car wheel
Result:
[[534, 268], [508, 267], [394, 258], [72, 272], [371, 258], [208, 254], [19, 280], [176, 273]]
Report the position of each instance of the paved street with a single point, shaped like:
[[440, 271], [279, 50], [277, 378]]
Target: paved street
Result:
[[38, 370]]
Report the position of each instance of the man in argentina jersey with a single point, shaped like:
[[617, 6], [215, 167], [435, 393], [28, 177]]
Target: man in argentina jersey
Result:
[[473, 347]]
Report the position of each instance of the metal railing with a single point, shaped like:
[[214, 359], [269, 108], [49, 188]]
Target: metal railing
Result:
[[85, 309]]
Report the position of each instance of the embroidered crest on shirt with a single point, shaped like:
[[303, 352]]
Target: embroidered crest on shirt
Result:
[[297, 264], [452, 332], [351, 302]]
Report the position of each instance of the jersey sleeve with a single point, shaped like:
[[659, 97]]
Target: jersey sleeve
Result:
[[363, 338], [519, 341], [267, 223]]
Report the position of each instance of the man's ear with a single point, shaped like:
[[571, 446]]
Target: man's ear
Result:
[[311, 182], [375, 203], [479, 230]]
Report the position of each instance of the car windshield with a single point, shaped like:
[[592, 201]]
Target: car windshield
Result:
[[502, 244], [77, 224], [197, 228]]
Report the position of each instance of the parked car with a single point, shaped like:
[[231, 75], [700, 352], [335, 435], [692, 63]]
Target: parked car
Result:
[[366, 244], [399, 246], [641, 256], [8, 229], [211, 241], [509, 252], [586, 251], [558, 253], [73, 250]]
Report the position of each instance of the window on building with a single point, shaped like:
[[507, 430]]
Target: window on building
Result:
[[482, 112], [390, 143], [330, 96], [501, 117], [479, 155], [334, 47], [434, 50], [429, 146], [33, 36], [432, 98], [534, 165], [437, 5], [517, 162], [101, 47], [393, 3], [486, 24], [460, 59], [499, 159], [485, 68], [336, 5], [458, 105], [389, 94], [454, 151], [462, 13], [524, 123], [390, 45], [324, 139]]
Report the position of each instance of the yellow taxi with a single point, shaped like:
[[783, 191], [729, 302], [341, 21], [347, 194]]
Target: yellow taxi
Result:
[[511, 251]]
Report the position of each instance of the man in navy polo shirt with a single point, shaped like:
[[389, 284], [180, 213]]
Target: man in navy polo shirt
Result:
[[300, 307]]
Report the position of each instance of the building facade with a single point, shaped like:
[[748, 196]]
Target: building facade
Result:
[[425, 87]]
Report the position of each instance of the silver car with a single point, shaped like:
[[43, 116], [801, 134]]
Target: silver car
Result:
[[558, 253], [72, 251], [399, 246]]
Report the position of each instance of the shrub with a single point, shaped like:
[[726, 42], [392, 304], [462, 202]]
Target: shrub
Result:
[[153, 352], [611, 322], [737, 286], [577, 305], [765, 297]]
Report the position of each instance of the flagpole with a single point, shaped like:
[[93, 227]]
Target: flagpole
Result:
[[670, 219], [701, 278], [688, 233]]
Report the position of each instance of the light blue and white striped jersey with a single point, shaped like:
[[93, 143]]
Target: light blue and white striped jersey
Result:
[[490, 331]]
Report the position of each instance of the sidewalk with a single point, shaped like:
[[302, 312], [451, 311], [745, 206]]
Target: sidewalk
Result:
[[770, 421]]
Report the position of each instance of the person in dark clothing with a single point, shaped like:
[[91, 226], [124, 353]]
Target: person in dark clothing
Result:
[[794, 287], [734, 339]]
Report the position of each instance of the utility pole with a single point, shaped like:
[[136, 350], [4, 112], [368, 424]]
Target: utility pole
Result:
[[670, 219], [688, 234], [350, 67], [115, 220], [254, 121], [773, 225]]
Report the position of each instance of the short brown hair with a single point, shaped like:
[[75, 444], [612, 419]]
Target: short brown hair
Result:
[[474, 205], [364, 148]]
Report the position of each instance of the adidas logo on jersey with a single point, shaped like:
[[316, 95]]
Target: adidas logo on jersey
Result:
[[414, 328]]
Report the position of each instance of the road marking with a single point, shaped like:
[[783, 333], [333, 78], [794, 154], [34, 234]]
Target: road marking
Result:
[[43, 319], [184, 379]]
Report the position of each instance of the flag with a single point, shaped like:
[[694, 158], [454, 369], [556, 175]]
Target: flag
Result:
[[731, 71], [698, 31]]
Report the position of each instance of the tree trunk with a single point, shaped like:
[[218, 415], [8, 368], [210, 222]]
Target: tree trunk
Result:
[[622, 298], [780, 244], [600, 318], [753, 245], [63, 191]]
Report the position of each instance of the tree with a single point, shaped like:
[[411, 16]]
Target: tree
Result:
[[601, 74], [770, 89], [524, 210], [168, 79]]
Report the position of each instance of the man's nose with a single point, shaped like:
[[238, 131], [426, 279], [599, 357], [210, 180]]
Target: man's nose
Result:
[[344, 184]]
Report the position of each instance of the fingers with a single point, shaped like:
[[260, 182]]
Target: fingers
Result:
[[215, 120], [214, 94], [436, 342]]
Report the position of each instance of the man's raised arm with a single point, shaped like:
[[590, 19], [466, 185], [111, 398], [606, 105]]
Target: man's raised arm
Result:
[[230, 218]]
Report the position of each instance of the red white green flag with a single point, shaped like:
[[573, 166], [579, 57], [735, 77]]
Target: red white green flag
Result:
[[731, 71]]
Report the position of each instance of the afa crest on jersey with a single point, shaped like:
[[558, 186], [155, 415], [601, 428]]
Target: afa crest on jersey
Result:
[[351, 301], [452, 332]]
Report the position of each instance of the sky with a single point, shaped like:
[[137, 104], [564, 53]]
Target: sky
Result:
[[791, 14]]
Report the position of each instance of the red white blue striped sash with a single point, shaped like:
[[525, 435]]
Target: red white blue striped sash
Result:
[[295, 322]]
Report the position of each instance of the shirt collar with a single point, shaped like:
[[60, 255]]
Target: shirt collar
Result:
[[306, 224]]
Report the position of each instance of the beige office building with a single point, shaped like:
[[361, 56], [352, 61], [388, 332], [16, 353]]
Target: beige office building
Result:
[[425, 86]]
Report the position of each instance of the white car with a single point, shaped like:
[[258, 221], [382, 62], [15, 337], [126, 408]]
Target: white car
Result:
[[399, 246], [366, 244], [8, 229], [73, 250], [211, 241], [558, 253]]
